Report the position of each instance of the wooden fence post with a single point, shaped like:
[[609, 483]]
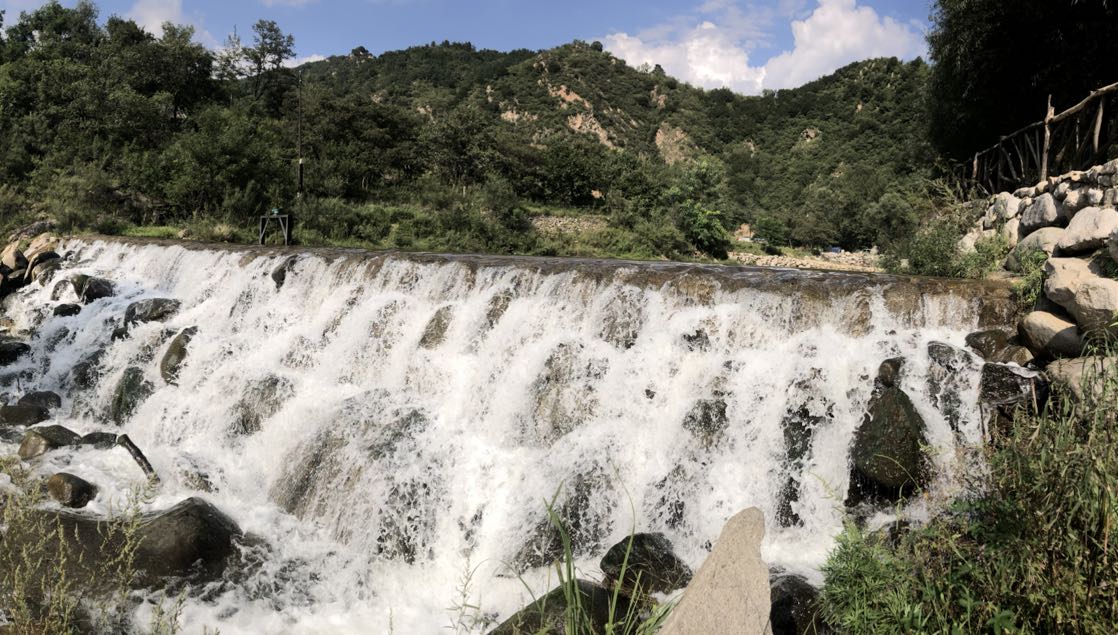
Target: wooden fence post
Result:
[[1047, 140], [1098, 125]]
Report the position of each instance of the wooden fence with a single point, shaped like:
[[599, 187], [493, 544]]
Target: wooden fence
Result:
[[1074, 139]]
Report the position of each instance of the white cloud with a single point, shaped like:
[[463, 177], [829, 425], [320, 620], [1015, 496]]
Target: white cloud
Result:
[[151, 14], [299, 61], [712, 47]]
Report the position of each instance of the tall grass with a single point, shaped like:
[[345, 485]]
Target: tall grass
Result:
[[1031, 550]]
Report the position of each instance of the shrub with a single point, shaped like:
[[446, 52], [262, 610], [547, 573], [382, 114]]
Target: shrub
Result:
[[1029, 288]]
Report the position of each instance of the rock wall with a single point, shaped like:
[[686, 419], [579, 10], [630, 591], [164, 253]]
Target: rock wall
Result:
[[1072, 220]]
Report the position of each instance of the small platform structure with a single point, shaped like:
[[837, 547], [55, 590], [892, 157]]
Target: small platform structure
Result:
[[282, 220]]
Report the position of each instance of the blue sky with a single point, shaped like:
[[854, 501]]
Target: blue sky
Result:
[[746, 45]]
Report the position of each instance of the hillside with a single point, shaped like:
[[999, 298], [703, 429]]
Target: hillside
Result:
[[447, 147]]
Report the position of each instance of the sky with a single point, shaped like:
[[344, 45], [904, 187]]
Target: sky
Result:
[[744, 45]]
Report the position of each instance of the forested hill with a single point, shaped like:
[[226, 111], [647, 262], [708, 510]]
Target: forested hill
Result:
[[444, 147]]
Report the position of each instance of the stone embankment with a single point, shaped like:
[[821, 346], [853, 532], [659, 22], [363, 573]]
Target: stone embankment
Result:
[[860, 261], [1068, 225]]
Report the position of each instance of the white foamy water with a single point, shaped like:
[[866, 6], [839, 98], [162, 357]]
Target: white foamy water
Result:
[[415, 414]]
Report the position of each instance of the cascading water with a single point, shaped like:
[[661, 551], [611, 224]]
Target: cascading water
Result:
[[392, 426]]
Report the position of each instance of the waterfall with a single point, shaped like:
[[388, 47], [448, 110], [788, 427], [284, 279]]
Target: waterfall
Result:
[[392, 426]]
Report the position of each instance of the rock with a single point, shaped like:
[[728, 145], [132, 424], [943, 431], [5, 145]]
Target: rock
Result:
[[99, 440], [1063, 277], [988, 343], [43, 241], [176, 354], [585, 525], [1005, 385], [71, 491], [1011, 231], [730, 591], [23, 415], [435, 332], [548, 615], [1088, 230], [67, 310], [967, 242], [151, 310], [888, 460], [261, 399], [12, 259], [947, 367], [1006, 206], [132, 390], [39, 441], [707, 421], [1084, 379], [279, 274], [1042, 212], [650, 564], [1044, 239], [1093, 197], [192, 540], [84, 374], [1112, 245], [42, 398], [889, 372], [36, 261], [1095, 305], [1050, 336], [11, 351], [90, 289], [796, 607], [44, 272]]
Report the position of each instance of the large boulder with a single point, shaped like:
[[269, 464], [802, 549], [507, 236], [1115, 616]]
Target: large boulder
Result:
[[548, 615], [1050, 336], [151, 310], [1063, 276], [40, 259], [796, 607], [67, 310], [730, 591], [39, 441], [71, 491], [23, 415], [1009, 385], [12, 259], [42, 398], [192, 540], [1006, 206], [888, 454], [89, 288], [1044, 240], [176, 354], [1085, 379], [1112, 245], [650, 565], [948, 367], [11, 351], [1075, 285], [1011, 232], [130, 392], [1088, 230], [1044, 211]]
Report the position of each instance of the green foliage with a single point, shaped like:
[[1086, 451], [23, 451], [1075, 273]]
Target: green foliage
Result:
[[988, 256], [1030, 287], [1028, 549]]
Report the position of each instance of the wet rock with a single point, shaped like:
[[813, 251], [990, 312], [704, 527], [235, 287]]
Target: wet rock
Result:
[[988, 343], [84, 374], [71, 491], [1050, 336], [697, 340], [1004, 385], [23, 415], [11, 351], [730, 591], [799, 426], [261, 399], [1088, 230], [39, 441], [622, 318], [548, 615], [42, 398], [176, 354], [707, 421], [889, 372], [948, 366], [796, 607], [90, 289], [44, 272], [99, 440], [1043, 240], [584, 523], [151, 310], [650, 565], [130, 392], [67, 310], [39, 260], [192, 540], [888, 454], [435, 333], [279, 274], [565, 392], [497, 306]]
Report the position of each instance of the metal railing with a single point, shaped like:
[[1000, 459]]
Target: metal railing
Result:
[[1074, 139]]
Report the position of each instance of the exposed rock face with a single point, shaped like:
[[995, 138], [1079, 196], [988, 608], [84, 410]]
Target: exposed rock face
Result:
[[650, 566], [988, 343], [1088, 230], [71, 491], [1050, 336], [888, 453], [151, 310], [39, 441], [1042, 212], [1112, 245], [1044, 240], [548, 615], [730, 591], [23, 415], [176, 354]]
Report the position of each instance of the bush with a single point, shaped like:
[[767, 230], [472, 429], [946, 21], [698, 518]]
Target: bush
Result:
[[987, 257], [1031, 285]]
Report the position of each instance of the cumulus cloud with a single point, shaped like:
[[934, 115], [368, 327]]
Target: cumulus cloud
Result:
[[299, 61], [712, 47], [151, 14]]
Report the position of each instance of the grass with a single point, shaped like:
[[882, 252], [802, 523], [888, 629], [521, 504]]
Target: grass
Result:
[[1030, 550], [1030, 287]]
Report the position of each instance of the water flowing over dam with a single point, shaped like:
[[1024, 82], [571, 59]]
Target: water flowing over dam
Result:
[[391, 427]]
